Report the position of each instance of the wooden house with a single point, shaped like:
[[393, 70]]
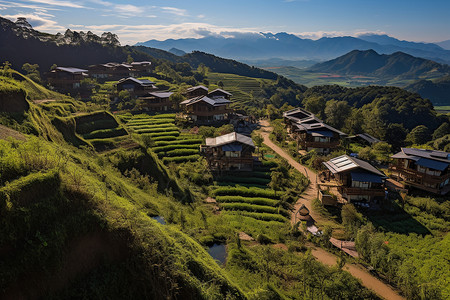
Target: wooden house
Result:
[[115, 71], [364, 139], [355, 179], [141, 68], [427, 170], [204, 110], [196, 91], [66, 78], [135, 86], [219, 93], [310, 132], [229, 152], [155, 101]]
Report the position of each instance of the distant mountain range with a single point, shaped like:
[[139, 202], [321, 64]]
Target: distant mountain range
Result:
[[438, 91], [444, 44], [370, 63], [286, 46]]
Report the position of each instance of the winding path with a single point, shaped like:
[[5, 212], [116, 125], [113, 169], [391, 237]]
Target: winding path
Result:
[[368, 280]]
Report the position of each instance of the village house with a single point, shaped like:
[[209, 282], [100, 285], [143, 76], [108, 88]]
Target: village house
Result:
[[364, 139], [66, 78], [141, 68], [155, 101], [356, 180], [114, 71], [310, 132], [205, 110], [196, 91], [427, 170], [219, 93], [136, 87], [229, 152]]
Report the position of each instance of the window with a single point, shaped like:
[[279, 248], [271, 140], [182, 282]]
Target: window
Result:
[[232, 154], [360, 184]]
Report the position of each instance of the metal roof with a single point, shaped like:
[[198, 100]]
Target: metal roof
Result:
[[160, 94], [196, 88], [228, 139], [300, 115], [71, 70], [432, 164], [319, 126], [144, 82], [220, 91], [344, 163], [413, 153], [367, 137], [214, 102], [366, 177]]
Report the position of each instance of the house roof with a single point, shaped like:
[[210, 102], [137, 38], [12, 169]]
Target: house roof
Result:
[[140, 63], [228, 139], [368, 138], [300, 115], [346, 163], [318, 127], [221, 92], [438, 160], [160, 94], [143, 82], [214, 102], [71, 70], [196, 88]]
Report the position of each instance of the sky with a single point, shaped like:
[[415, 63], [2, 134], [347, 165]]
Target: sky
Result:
[[138, 21]]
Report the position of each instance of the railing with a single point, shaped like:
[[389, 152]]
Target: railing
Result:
[[432, 179], [360, 191], [209, 113]]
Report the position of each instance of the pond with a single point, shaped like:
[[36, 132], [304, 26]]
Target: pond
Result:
[[160, 220], [218, 252]]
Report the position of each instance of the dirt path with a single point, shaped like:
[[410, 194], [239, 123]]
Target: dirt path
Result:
[[6, 132], [368, 280]]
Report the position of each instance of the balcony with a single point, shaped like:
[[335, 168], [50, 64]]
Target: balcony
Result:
[[360, 191], [414, 174]]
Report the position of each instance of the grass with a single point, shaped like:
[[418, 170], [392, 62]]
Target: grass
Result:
[[247, 192], [250, 200]]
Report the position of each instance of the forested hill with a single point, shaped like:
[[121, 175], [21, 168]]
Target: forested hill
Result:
[[81, 49], [371, 63], [438, 91]]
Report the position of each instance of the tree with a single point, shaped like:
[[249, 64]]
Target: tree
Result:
[[351, 218], [419, 135], [367, 153], [384, 150], [316, 105], [32, 71], [337, 112], [130, 59], [276, 181], [441, 131], [220, 84], [396, 135], [176, 99], [355, 122], [258, 139]]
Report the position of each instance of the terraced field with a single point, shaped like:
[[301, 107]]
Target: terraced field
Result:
[[248, 203], [167, 141], [243, 88], [103, 131]]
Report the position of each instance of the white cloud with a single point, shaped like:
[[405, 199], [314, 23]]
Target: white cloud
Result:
[[8, 4], [58, 3], [321, 34], [38, 22], [174, 10]]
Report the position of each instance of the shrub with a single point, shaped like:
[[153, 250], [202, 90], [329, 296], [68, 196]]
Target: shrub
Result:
[[106, 133]]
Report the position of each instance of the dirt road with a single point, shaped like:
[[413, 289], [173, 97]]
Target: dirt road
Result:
[[368, 280]]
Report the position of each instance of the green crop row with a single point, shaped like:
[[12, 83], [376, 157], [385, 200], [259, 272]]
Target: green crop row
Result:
[[152, 130], [164, 138], [234, 184], [179, 142], [159, 134], [239, 179], [181, 159], [137, 127], [259, 216], [178, 152], [250, 200], [150, 121], [247, 192], [105, 133], [174, 147], [254, 208]]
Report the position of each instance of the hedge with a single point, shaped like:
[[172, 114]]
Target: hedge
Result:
[[157, 130], [164, 138], [254, 208], [159, 134], [239, 179], [150, 121], [138, 127], [251, 200]]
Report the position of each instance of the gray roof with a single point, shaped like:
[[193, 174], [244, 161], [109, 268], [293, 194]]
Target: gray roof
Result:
[[317, 126], [196, 88], [415, 154], [138, 63], [160, 94], [228, 139], [214, 102], [220, 91], [71, 70], [300, 115], [346, 163], [367, 137], [144, 82]]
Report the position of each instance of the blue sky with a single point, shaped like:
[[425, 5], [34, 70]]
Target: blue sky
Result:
[[138, 20]]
